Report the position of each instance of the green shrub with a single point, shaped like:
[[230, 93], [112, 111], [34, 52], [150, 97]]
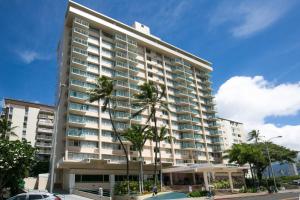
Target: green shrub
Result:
[[222, 184], [121, 187], [200, 193]]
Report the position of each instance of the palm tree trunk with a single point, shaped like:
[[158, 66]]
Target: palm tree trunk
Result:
[[141, 185], [123, 146], [252, 175], [160, 166], [156, 146]]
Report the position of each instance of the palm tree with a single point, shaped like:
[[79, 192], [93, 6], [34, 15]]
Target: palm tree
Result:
[[5, 128], [163, 136], [151, 96], [104, 90], [254, 135], [138, 136]]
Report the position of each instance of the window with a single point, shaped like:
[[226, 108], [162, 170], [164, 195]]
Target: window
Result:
[[24, 132], [92, 178], [148, 50], [107, 34], [150, 74], [149, 66], [149, 58], [35, 196], [26, 111], [20, 197], [25, 118]]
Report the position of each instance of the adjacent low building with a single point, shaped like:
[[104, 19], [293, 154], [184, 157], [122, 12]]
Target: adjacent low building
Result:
[[33, 122], [232, 132]]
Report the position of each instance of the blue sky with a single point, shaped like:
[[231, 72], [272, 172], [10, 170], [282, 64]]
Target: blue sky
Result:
[[240, 38]]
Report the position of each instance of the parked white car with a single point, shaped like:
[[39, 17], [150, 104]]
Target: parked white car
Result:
[[35, 195]]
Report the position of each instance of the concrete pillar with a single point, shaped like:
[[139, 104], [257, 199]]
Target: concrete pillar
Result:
[[205, 181], [71, 183], [194, 178], [171, 179], [213, 175], [230, 181], [112, 183]]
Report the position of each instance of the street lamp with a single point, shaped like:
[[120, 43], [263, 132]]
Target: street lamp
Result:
[[53, 154], [269, 158]]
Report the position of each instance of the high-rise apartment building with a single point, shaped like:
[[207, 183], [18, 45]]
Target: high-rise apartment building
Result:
[[232, 132], [94, 45], [33, 122]]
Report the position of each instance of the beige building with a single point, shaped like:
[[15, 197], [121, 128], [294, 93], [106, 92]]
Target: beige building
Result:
[[92, 45], [33, 122], [232, 132]]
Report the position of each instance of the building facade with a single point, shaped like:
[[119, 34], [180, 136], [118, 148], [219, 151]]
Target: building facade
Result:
[[231, 132], [33, 122], [94, 45]]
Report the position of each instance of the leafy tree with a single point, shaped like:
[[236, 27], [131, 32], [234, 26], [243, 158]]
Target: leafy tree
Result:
[[152, 96], [16, 159], [5, 128], [138, 136], [104, 91], [255, 155]]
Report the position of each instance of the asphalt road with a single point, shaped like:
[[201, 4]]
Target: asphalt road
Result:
[[277, 196]]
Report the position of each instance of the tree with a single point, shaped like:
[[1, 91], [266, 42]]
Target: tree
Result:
[[5, 128], [162, 136], [138, 136], [255, 154], [16, 159], [104, 91], [254, 135], [151, 96]]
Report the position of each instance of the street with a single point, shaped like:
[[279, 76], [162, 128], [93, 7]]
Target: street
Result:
[[278, 196]]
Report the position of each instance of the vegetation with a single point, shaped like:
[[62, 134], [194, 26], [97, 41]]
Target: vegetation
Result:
[[121, 187], [16, 159], [5, 128], [138, 136], [255, 155], [200, 193], [152, 97], [221, 184], [104, 91]]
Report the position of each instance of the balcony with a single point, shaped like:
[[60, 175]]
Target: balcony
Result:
[[44, 151], [120, 46], [44, 130], [213, 125], [183, 102], [184, 118], [178, 62], [132, 43], [185, 136], [119, 37], [120, 116], [81, 23], [179, 78], [183, 110], [186, 128], [123, 66], [80, 53], [79, 32], [134, 88], [43, 137], [121, 105], [179, 69], [79, 42], [79, 63], [43, 144], [121, 95], [188, 146], [183, 94], [121, 75], [45, 123], [133, 69], [121, 56]]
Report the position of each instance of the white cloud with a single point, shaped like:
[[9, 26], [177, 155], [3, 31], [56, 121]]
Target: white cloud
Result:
[[249, 17], [29, 56], [252, 99]]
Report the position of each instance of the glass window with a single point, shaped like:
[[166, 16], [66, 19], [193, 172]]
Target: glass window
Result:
[[35, 196]]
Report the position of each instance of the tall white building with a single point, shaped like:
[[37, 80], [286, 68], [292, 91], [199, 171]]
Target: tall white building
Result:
[[33, 122], [232, 132], [93, 45]]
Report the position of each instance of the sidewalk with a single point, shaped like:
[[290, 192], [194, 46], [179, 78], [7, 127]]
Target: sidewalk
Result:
[[240, 195]]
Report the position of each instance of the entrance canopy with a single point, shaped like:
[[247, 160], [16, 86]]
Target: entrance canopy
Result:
[[206, 167]]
